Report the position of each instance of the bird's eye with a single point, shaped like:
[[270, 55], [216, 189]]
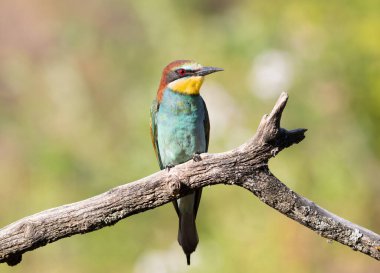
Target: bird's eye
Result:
[[181, 71]]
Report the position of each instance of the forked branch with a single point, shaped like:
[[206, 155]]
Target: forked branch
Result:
[[245, 166]]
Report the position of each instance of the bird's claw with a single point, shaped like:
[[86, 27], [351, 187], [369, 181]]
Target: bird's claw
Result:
[[197, 157], [275, 151], [168, 167]]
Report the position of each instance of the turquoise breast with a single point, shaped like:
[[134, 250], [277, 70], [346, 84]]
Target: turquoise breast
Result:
[[180, 127]]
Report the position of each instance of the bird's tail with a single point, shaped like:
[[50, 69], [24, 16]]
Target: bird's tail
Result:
[[187, 231], [187, 234]]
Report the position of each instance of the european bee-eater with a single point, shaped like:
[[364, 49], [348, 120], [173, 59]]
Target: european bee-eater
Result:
[[180, 129]]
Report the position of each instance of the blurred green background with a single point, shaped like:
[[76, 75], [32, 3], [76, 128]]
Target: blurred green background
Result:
[[76, 82]]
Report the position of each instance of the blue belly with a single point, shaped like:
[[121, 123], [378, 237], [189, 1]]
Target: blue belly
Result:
[[180, 128]]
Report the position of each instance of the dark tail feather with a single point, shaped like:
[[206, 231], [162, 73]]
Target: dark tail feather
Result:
[[187, 234]]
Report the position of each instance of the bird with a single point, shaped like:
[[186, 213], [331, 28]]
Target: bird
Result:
[[180, 131]]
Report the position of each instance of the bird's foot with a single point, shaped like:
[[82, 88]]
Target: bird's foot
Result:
[[169, 166], [197, 157]]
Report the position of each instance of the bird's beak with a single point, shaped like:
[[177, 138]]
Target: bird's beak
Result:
[[207, 70]]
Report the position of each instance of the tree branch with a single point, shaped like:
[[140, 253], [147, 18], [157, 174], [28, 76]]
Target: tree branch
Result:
[[245, 166]]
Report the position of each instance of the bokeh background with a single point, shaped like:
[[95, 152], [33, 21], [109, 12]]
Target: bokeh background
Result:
[[76, 82]]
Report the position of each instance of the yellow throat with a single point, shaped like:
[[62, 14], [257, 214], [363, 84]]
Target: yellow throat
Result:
[[187, 86]]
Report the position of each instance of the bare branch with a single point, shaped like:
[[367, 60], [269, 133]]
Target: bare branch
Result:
[[245, 166]]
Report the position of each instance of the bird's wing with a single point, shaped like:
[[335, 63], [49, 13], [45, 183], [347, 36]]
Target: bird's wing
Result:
[[153, 130], [206, 124], [153, 134]]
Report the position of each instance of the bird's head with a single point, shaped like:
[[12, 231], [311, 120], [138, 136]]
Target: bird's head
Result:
[[184, 76]]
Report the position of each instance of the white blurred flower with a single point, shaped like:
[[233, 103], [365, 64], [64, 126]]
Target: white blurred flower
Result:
[[165, 261], [226, 116], [223, 110], [271, 74]]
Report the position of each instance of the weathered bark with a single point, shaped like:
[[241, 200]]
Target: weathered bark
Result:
[[245, 166]]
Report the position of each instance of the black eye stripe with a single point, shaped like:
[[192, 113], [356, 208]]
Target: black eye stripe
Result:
[[171, 76], [177, 74]]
